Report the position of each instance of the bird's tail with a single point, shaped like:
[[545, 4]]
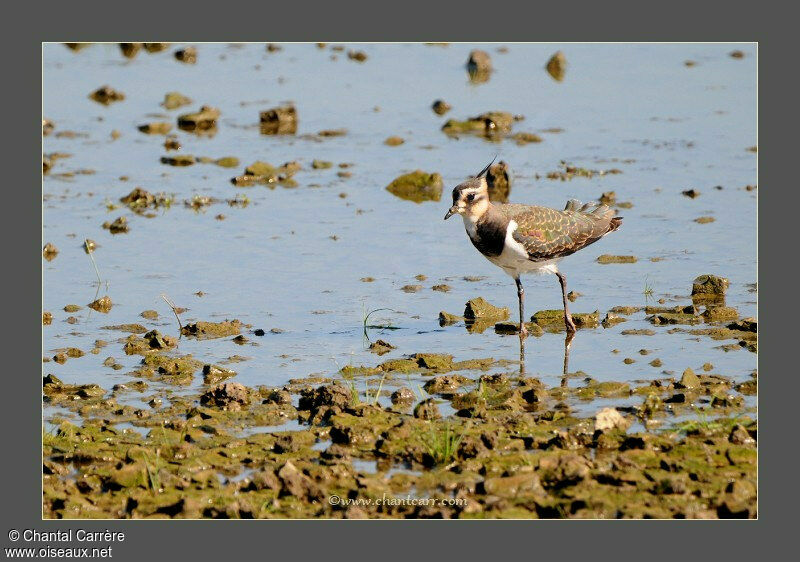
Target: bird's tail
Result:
[[596, 211]]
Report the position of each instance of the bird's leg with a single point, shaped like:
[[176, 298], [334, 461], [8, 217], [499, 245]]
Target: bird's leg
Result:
[[523, 331], [567, 316]]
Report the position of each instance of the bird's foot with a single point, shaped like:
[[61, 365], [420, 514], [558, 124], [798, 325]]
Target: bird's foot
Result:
[[570, 324]]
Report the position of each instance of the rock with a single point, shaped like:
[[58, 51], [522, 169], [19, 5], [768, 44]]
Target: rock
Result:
[[53, 387], [720, 313], [47, 127], [586, 319], [49, 252], [522, 138], [626, 310], [612, 319], [536, 395], [187, 55], [332, 395], [445, 318], [120, 225], [172, 143], [440, 107], [737, 54], [402, 395], [480, 309], [174, 100], [608, 198], [555, 318], [673, 318], [394, 141], [358, 56], [179, 160], [209, 330], [492, 123], [106, 95], [296, 484], [227, 162], [138, 198], [381, 347], [130, 50], [103, 304], [557, 66], [228, 396], [444, 384], [279, 121], [417, 186], [638, 332], [279, 397], [704, 220], [690, 309], [513, 486], [156, 128], [155, 47], [434, 361], [47, 318], [689, 380], [442, 288], [411, 288], [609, 418], [745, 325], [691, 193], [427, 410], [607, 258], [709, 285], [511, 328], [656, 362], [740, 436], [499, 182], [479, 66], [202, 120], [213, 374]]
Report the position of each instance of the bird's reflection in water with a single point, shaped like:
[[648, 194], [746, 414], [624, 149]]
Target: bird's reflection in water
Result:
[[567, 345]]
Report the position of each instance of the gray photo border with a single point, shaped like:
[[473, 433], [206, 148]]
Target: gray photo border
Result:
[[240, 21]]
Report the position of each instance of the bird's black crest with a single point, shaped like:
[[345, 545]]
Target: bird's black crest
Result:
[[486, 169]]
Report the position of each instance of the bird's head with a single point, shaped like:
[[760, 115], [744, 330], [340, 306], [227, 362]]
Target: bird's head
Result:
[[471, 198]]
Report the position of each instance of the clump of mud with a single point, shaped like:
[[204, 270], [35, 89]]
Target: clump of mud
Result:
[[557, 66], [479, 66], [440, 107], [210, 330], [187, 55], [174, 100], [279, 121], [608, 258], [106, 95], [417, 186], [203, 120], [49, 252], [498, 178]]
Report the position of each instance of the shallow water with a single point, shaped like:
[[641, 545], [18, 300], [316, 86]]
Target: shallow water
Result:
[[274, 263]]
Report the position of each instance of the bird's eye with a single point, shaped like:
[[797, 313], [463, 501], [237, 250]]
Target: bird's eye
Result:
[[470, 197]]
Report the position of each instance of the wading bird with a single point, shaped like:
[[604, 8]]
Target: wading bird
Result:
[[527, 238]]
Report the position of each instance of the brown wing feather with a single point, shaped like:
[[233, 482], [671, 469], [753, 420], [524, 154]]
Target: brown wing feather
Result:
[[548, 233]]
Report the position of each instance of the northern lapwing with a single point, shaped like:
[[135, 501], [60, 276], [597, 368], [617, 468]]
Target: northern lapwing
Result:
[[527, 238]]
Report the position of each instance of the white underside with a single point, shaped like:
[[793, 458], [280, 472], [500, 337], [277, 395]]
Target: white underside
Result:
[[514, 258]]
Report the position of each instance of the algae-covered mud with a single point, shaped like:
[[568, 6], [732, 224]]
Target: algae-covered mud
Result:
[[253, 309]]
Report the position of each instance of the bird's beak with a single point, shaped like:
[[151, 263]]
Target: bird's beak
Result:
[[453, 211]]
